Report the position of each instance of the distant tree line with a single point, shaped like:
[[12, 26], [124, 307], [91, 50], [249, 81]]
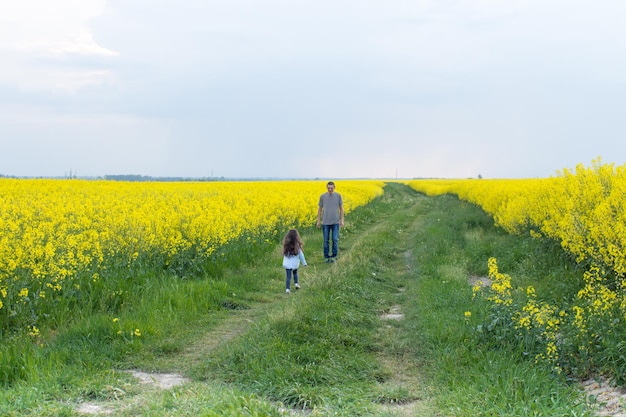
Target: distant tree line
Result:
[[139, 178]]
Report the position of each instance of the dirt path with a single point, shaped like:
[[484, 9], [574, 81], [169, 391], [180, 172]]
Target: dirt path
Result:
[[146, 383]]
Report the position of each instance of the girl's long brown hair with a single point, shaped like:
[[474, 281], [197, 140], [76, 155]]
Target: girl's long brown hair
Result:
[[292, 243]]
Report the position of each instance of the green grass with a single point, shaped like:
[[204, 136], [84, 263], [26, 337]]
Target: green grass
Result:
[[327, 349]]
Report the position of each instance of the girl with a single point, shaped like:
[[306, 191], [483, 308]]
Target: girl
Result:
[[292, 257]]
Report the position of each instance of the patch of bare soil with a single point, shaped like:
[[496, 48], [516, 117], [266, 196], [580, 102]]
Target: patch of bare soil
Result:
[[394, 313], [94, 409], [480, 281], [610, 399], [152, 380], [163, 381]]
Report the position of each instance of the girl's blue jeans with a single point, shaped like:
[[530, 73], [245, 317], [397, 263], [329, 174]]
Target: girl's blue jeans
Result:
[[330, 231], [289, 272]]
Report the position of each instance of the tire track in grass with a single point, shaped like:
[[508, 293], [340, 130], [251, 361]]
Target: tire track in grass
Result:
[[413, 397], [403, 393], [147, 383]]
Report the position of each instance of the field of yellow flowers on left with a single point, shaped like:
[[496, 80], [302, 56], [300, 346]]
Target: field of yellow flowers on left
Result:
[[61, 239]]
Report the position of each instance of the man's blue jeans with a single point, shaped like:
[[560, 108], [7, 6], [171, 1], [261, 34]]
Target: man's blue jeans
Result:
[[328, 230]]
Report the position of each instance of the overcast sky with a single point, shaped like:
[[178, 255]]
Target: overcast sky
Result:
[[307, 89]]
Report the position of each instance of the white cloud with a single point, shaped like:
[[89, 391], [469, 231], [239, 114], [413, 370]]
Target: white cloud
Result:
[[50, 27], [38, 37]]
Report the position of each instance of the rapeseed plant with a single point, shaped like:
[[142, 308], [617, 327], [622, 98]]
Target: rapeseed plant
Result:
[[65, 240], [584, 210]]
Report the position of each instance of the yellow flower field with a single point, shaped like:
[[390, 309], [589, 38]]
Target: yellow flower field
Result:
[[585, 211], [54, 231]]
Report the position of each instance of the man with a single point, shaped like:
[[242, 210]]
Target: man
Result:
[[330, 218]]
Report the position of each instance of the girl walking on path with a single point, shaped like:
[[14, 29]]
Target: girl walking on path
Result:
[[293, 256]]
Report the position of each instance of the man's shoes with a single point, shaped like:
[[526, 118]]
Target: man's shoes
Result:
[[287, 291], [333, 259], [327, 260], [297, 286]]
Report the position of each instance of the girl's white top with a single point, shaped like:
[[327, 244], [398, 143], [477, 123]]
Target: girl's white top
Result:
[[293, 261]]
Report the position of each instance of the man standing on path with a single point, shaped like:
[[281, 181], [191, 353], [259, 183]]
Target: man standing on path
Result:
[[330, 218]]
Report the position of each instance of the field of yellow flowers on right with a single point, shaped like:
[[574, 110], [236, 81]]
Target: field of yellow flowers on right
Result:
[[585, 212]]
